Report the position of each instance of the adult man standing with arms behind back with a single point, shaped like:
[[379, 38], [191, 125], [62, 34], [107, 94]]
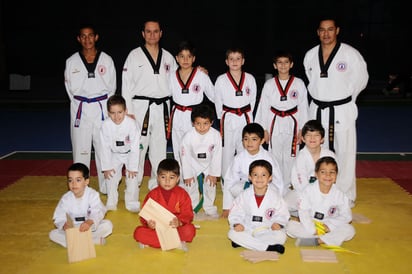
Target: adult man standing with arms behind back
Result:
[[89, 78], [337, 73], [147, 94]]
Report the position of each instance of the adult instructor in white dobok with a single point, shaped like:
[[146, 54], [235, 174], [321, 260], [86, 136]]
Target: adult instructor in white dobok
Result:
[[147, 94], [337, 73]]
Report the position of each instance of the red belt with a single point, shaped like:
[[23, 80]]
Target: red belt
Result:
[[284, 113]]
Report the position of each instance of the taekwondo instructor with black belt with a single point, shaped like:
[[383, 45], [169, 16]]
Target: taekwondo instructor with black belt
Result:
[[147, 93], [337, 73]]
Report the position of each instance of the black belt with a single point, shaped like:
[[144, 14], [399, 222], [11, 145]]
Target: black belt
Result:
[[330, 105], [157, 101]]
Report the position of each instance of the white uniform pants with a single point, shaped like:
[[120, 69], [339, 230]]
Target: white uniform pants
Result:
[[154, 143], [280, 148], [257, 240], [131, 196], [345, 149], [103, 230], [335, 237], [209, 196], [83, 137], [291, 199], [232, 138], [182, 123]]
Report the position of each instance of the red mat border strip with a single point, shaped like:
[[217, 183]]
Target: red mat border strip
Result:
[[12, 170]]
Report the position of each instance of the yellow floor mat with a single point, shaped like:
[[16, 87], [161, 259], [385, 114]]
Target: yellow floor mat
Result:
[[384, 245]]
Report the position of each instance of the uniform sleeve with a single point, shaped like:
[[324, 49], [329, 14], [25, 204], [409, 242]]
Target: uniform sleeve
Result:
[[59, 215], [277, 178], [237, 212], [111, 81], [127, 80], [282, 212], [298, 174], [263, 108], [216, 160], [218, 97], [67, 79], [253, 92], [360, 76], [133, 158], [294, 177], [230, 178], [186, 210], [209, 88], [186, 158], [306, 63], [304, 210], [97, 208], [143, 221], [303, 105], [105, 151], [344, 217]]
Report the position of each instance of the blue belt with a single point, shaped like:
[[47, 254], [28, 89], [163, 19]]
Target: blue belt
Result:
[[87, 100]]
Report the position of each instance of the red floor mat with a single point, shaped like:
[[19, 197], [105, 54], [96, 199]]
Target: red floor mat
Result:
[[384, 169], [398, 171], [12, 170]]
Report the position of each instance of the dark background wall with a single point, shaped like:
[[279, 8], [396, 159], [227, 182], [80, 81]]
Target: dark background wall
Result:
[[36, 37]]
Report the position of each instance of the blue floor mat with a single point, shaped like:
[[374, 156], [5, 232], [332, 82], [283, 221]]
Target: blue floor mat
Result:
[[380, 129]]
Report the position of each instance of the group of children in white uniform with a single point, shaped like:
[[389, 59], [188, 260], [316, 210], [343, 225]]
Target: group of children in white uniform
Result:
[[261, 188], [259, 216], [255, 200]]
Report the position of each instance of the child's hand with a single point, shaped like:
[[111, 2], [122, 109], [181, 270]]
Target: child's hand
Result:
[[266, 137], [276, 226], [300, 137], [131, 174], [66, 226], [212, 180], [175, 222], [238, 227], [225, 213], [203, 69], [151, 224], [189, 181], [108, 173], [85, 225], [131, 116]]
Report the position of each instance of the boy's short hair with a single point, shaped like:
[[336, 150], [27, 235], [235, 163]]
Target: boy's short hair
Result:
[[80, 167], [283, 53], [253, 128], [260, 163], [313, 125], [186, 45], [169, 164], [326, 160], [235, 50], [202, 111], [86, 25], [116, 99]]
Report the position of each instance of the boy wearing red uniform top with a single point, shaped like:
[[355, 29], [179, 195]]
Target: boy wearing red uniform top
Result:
[[173, 198]]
